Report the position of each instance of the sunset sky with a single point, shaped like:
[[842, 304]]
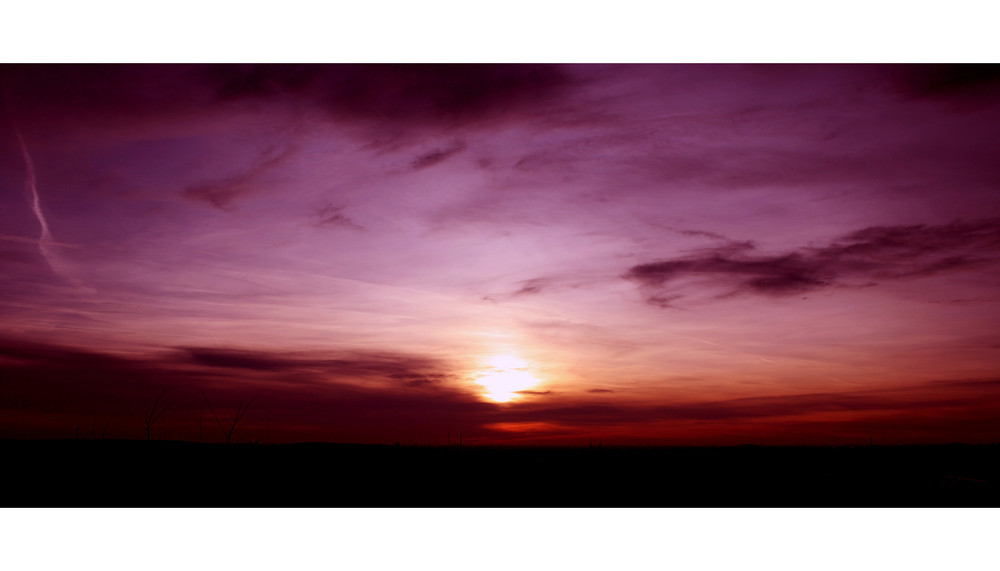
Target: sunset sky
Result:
[[527, 254]]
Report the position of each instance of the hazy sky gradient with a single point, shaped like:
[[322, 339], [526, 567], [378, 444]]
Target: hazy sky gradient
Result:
[[689, 254]]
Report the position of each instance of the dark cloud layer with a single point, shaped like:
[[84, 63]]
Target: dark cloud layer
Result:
[[355, 364], [121, 88], [240, 360], [48, 390], [965, 84], [428, 94], [54, 355], [412, 94], [57, 100], [979, 394], [859, 258]]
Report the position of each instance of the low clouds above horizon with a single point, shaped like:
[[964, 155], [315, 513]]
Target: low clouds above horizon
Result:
[[87, 388]]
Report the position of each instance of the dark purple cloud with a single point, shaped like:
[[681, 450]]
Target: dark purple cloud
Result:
[[967, 85], [352, 365], [447, 94], [421, 379], [55, 355], [223, 193], [105, 88], [436, 156], [242, 360], [876, 253]]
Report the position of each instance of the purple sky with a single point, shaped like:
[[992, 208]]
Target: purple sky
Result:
[[671, 253]]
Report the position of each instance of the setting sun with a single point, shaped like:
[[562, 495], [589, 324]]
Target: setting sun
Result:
[[505, 375]]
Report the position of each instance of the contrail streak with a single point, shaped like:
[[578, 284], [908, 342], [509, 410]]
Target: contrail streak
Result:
[[36, 202], [45, 240]]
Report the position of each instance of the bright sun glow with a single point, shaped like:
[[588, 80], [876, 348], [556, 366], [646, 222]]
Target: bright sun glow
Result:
[[504, 375]]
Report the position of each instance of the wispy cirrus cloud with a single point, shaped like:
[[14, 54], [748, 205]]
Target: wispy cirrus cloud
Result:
[[223, 193], [329, 216], [531, 286]]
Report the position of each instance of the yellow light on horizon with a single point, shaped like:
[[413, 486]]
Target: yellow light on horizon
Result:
[[504, 375]]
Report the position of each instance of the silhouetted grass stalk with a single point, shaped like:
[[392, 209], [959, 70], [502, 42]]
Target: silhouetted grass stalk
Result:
[[241, 411], [155, 413]]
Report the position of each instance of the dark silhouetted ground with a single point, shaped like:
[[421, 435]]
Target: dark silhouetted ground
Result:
[[129, 473]]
